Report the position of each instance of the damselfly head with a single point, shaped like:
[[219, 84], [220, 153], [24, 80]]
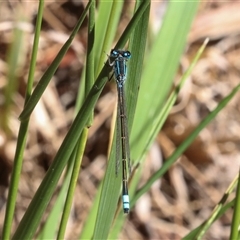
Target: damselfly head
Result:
[[120, 53]]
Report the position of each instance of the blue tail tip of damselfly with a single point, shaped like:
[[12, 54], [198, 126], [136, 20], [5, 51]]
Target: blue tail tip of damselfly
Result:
[[126, 204]]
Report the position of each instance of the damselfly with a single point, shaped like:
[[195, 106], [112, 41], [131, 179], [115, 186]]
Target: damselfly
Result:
[[118, 59]]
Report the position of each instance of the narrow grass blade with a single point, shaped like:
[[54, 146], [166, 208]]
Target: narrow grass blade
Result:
[[112, 184], [22, 135], [75, 173], [156, 125], [104, 11], [159, 71], [51, 225], [87, 232], [132, 24], [90, 64], [137, 46], [110, 32], [83, 139], [236, 214], [216, 213], [193, 233], [216, 210], [43, 82], [185, 144], [39, 203], [159, 121], [13, 59]]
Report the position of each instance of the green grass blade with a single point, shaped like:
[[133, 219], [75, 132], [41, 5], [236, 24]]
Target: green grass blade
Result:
[[137, 46], [34, 50], [104, 11], [185, 144], [162, 118], [171, 100], [89, 81], [160, 70], [22, 135], [39, 203], [13, 59], [51, 225], [218, 211], [73, 182], [102, 30], [156, 125], [83, 139], [193, 233], [44, 81], [110, 32], [236, 214], [111, 183], [87, 232], [132, 24]]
